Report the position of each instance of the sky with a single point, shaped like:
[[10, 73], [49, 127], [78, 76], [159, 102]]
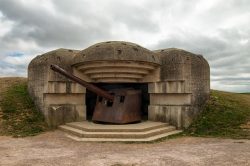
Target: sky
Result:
[[217, 29]]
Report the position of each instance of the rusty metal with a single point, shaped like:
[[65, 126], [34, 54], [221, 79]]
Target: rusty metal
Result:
[[93, 88], [125, 108], [119, 106]]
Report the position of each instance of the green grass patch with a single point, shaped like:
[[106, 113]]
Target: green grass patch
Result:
[[223, 116], [19, 115], [248, 93]]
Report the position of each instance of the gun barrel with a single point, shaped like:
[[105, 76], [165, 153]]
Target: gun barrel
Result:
[[89, 86]]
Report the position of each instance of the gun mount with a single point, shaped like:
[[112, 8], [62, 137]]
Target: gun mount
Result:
[[93, 88], [118, 106]]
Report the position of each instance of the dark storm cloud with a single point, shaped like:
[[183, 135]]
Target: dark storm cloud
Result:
[[75, 26], [217, 29], [49, 30], [69, 24], [223, 37], [135, 17], [229, 59]]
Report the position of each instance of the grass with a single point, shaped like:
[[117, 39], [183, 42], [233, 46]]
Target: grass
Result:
[[18, 114], [223, 116], [248, 93]]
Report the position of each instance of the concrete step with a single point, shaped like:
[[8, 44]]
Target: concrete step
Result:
[[137, 127], [149, 139], [141, 134], [138, 132]]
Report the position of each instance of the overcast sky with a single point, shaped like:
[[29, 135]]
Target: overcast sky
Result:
[[217, 29]]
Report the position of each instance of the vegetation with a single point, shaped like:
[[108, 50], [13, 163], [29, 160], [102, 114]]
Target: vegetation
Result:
[[248, 93], [225, 115], [19, 117]]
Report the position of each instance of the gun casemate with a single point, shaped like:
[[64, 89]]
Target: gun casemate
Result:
[[118, 106]]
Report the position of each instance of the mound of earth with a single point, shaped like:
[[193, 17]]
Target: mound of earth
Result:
[[18, 115], [6, 82]]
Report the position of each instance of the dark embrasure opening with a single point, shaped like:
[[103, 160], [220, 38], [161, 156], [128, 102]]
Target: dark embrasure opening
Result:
[[92, 97]]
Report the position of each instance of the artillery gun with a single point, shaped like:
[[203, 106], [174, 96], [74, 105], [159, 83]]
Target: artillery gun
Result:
[[118, 106]]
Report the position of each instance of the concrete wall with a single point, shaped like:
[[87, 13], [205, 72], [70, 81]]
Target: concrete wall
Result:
[[65, 102], [183, 90], [169, 102], [178, 81], [59, 99]]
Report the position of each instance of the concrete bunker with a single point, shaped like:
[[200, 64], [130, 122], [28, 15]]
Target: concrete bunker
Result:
[[176, 83]]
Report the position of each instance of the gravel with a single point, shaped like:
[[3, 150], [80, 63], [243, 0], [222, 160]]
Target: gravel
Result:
[[54, 148]]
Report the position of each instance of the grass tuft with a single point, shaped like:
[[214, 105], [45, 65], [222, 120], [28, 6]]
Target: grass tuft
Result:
[[19, 115], [223, 116]]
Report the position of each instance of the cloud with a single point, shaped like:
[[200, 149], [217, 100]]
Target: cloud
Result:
[[222, 37], [49, 29], [7, 69], [229, 59], [218, 29]]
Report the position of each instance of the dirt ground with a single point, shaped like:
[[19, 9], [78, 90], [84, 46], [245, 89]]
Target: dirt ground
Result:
[[54, 148]]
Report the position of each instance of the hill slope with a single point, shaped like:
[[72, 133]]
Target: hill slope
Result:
[[225, 115], [18, 116]]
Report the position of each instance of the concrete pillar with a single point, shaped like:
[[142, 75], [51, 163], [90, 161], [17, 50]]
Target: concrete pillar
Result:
[[169, 102], [64, 102]]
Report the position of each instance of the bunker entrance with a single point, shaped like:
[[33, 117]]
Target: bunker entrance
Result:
[[92, 98]]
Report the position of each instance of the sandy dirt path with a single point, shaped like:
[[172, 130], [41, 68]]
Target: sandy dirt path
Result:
[[54, 148]]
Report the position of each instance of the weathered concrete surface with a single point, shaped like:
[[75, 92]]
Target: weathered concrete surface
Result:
[[174, 77], [54, 148]]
